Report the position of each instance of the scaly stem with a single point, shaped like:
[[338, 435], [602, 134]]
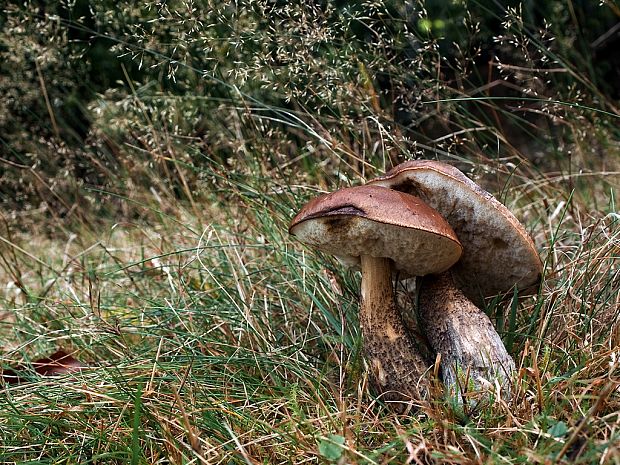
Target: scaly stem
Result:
[[397, 368], [473, 356]]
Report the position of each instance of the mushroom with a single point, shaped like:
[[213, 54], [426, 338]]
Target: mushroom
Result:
[[383, 232], [498, 255]]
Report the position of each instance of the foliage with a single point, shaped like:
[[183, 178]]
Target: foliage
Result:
[[104, 84]]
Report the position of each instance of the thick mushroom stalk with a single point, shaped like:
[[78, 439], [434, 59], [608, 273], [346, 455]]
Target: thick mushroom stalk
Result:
[[396, 366], [473, 357]]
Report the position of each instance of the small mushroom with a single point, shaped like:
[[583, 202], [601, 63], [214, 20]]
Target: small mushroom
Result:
[[498, 255], [383, 232]]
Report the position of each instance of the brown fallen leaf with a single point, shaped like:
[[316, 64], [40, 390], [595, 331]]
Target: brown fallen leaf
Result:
[[59, 363], [10, 377]]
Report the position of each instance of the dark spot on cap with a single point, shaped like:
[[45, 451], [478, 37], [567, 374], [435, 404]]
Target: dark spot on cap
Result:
[[408, 187], [336, 224], [346, 210], [499, 243]]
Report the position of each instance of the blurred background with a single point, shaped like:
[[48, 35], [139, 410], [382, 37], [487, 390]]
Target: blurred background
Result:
[[115, 96]]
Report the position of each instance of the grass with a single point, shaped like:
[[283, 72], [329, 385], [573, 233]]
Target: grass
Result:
[[217, 339], [213, 337]]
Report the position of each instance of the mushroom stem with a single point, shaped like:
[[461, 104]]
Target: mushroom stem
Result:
[[472, 353], [397, 368]]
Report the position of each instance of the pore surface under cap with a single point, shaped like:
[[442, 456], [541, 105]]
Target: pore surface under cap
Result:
[[373, 220], [497, 250]]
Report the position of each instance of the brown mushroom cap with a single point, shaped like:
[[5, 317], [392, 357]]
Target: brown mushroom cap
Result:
[[380, 222], [498, 253]]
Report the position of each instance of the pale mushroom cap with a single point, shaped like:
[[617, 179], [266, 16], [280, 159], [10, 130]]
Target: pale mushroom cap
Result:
[[380, 222], [498, 253]]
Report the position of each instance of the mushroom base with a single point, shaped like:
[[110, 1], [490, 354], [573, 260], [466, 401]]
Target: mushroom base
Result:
[[397, 368], [473, 357]]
